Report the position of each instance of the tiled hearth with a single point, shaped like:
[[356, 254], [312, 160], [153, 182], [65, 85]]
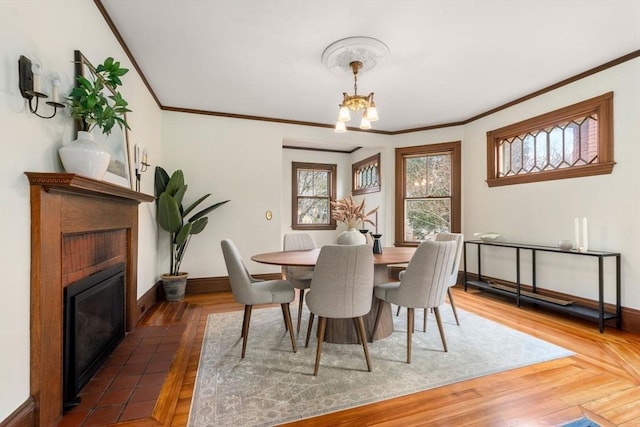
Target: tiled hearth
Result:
[[127, 386]]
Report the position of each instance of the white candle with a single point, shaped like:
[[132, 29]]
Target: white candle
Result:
[[576, 232], [55, 91], [35, 68], [585, 235]]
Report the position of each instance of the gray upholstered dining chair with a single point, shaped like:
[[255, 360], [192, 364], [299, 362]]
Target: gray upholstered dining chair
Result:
[[453, 278], [341, 288], [424, 285], [300, 277], [249, 291]]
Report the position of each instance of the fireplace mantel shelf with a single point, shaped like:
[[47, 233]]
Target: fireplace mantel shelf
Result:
[[80, 184]]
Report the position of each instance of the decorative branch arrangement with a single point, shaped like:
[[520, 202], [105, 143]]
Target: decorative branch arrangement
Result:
[[348, 211]]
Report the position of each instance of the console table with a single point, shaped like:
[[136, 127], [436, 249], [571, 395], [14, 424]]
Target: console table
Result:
[[600, 314]]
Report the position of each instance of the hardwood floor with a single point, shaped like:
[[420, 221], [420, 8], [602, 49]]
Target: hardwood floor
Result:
[[601, 381]]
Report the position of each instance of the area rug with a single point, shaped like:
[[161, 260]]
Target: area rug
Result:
[[273, 385]]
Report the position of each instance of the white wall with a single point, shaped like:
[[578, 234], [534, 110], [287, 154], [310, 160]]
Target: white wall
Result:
[[49, 32]]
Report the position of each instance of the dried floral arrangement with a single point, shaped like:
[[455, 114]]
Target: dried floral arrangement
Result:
[[348, 211]]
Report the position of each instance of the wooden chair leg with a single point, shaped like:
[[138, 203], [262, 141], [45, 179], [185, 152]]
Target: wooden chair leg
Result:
[[410, 312], [311, 316], [322, 322], [424, 321], [300, 305], [245, 328], [398, 311], [287, 321], [284, 317], [377, 321], [244, 321], [363, 339], [453, 305], [436, 311]]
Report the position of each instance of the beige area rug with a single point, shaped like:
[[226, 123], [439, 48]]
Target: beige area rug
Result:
[[273, 385]]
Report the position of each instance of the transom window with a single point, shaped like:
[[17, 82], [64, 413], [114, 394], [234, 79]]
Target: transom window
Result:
[[427, 191], [573, 141], [314, 187]]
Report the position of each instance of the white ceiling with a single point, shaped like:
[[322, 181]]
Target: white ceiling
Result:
[[450, 59]]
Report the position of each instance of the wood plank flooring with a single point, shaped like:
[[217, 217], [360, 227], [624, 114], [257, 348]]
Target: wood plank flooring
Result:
[[601, 381]]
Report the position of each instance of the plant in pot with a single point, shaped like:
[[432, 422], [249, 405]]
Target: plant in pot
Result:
[[351, 213], [181, 224], [95, 103]]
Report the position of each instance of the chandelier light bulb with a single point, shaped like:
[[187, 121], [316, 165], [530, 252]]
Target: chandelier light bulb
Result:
[[372, 113], [340, 127], [365, 123], [344, 115]]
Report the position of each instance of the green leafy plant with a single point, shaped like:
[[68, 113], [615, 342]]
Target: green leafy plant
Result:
[[95, 102], [174, 218]]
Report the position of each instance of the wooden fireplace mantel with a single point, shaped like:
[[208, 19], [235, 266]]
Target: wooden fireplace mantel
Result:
[[78, 227]]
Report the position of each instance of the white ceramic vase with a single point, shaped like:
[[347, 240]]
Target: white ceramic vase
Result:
[[85, 157], [351, 237]]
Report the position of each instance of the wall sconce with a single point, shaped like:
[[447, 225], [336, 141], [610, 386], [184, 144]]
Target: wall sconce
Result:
[[30, 86], [141, 161]]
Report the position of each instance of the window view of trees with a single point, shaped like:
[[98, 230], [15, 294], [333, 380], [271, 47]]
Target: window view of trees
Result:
[[313, 189], [427, 196], [427, 191]]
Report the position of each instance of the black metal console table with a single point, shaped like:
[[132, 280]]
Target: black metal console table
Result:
[[601, 315]]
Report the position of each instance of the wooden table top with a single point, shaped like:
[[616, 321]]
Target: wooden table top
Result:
[[308, 258]]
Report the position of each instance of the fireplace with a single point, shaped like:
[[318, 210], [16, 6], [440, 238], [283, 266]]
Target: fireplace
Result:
[[93, 327], [79, 228]]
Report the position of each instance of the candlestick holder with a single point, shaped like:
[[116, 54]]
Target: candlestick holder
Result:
[[377, 244]]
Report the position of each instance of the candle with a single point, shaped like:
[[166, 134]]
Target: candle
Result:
[[376, 222], [576, 232], [35, 68], [136, 157], [585, 236], [55, 91]]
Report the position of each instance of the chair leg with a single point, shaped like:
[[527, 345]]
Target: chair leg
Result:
[[287, 321], [300, 305], [410, 312], [322, 322], [311, 316], [245, 328], [453, 305], [284, 317], [363, 338], [398, 312], [424, 321], [436, 311], [377, 321]]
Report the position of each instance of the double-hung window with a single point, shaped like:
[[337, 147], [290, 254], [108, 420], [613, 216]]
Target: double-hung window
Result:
[[314, 187]]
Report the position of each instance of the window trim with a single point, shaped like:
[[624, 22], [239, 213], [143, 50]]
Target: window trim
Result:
[[601, 105], [332, 169], [455, 148]]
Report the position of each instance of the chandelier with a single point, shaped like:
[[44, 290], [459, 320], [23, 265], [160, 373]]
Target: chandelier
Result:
[[355, 54], [356, 103]]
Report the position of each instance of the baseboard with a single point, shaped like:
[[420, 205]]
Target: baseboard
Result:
[[23, 416], [149, 299], [630, 317], [205, 285]]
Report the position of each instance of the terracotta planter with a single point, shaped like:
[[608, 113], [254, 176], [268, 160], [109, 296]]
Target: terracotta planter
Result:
[[174, 286]]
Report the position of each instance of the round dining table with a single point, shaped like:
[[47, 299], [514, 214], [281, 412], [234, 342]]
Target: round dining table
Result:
[[342, 331]]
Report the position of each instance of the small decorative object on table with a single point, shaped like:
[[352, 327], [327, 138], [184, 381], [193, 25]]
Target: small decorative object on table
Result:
[[377, 245], [348, 211], [565, 245], [487, 236]]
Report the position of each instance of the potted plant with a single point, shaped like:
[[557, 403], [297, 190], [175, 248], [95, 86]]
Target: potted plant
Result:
[[95, 103], [351, 213], [181, 224]]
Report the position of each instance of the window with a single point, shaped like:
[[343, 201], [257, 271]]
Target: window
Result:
[[365, 175], [567, 143], [427, 191], [314, 186]]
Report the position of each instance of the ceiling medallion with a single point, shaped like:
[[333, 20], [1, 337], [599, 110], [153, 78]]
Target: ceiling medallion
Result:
[[355, 54]]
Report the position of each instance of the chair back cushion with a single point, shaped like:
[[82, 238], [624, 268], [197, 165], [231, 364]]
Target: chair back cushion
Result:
[[459, 239], [238, 275], [298, 242], [342, 284], [424, 283]]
